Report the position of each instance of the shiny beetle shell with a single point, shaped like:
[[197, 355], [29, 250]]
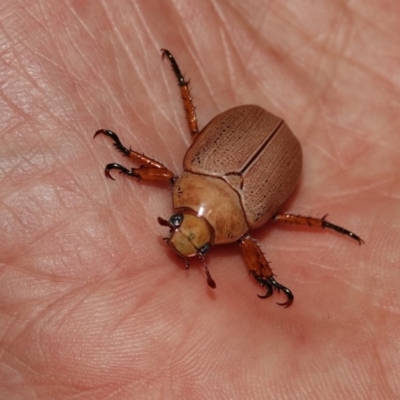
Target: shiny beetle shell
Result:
[[239, 171]]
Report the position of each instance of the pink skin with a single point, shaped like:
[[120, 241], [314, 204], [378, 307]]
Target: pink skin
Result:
[[93, 304]]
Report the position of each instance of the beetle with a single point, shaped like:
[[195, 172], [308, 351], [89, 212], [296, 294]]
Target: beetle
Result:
[[240, 169]]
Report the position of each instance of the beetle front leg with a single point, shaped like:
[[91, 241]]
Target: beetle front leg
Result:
[[315, 222], [136, 157], [146, 173], [149, 169], [260, 269], [185, 92]]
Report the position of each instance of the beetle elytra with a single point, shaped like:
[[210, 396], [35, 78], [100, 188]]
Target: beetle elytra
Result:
[[238, 172]]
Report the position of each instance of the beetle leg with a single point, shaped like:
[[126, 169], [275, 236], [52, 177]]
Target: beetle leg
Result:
[[185, 92], [146, 173], [210, 280], [136, 157], [149, 169], [260, 269], [315, 222]]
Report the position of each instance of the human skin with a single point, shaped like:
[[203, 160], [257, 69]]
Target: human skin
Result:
[[93, 304]]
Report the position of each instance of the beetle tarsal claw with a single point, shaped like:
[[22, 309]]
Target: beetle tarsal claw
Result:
[[271, 284]]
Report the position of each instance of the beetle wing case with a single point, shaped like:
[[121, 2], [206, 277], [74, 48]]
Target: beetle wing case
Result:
[[255, 152]]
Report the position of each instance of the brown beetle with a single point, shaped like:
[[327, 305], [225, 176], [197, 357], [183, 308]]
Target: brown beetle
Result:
[[238, 172]]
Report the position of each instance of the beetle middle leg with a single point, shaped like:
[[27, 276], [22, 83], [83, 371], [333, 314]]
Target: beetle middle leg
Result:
[[149, 169], [315, 222], [185, 92], [260, 269]]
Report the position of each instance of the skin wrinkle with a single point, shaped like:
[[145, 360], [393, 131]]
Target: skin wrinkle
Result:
[[376, 367], [358, 14], [130, 56], [355, 192], [387, 194], [112, 96], [104, 83], [87, 63], [147, 29], [79, 295], [336, 154], [227, 58], [339, 56], [81, 22], [124, 317], [19, 363], [357, 65], [24, 328], [17, 217], [325, 152], [131, 59], [333, 33], [225, 42], [13, 106], [64, 189], [278, 52], [332, 123], [23, 71], [61, 57], [327, 79]]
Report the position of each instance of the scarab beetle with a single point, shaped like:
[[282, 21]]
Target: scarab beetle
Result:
[[238, 172]]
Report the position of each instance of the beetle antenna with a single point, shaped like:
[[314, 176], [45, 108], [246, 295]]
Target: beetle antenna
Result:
[[164, 222], [210, 280]]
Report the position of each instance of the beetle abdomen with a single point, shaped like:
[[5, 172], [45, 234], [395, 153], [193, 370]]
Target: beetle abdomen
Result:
[[255, 152]]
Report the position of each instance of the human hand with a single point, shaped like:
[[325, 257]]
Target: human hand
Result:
[[93, 304]]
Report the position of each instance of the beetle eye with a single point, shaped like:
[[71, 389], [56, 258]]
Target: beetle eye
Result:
[[203, 250], [176, 220]]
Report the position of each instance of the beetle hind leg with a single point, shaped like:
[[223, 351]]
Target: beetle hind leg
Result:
[[260, 269], [271, 284], [315, 222], [149, 169], [185, 92]]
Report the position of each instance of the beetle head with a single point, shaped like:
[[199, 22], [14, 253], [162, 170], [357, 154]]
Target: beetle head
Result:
[[190, 235]]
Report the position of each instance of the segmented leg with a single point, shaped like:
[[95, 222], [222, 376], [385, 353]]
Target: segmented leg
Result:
[[315, 222], [260, 269], [185, 92], [149, 169]]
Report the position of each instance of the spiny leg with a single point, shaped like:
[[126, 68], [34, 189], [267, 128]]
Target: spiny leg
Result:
[[146, 173], [260, 269], [149, 169], [315, 222], [136, 157], [185, 92]]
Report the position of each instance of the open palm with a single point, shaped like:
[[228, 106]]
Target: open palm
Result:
[[93, 304]]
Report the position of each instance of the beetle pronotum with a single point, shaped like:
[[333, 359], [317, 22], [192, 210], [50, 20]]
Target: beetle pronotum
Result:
[[240, 169]]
